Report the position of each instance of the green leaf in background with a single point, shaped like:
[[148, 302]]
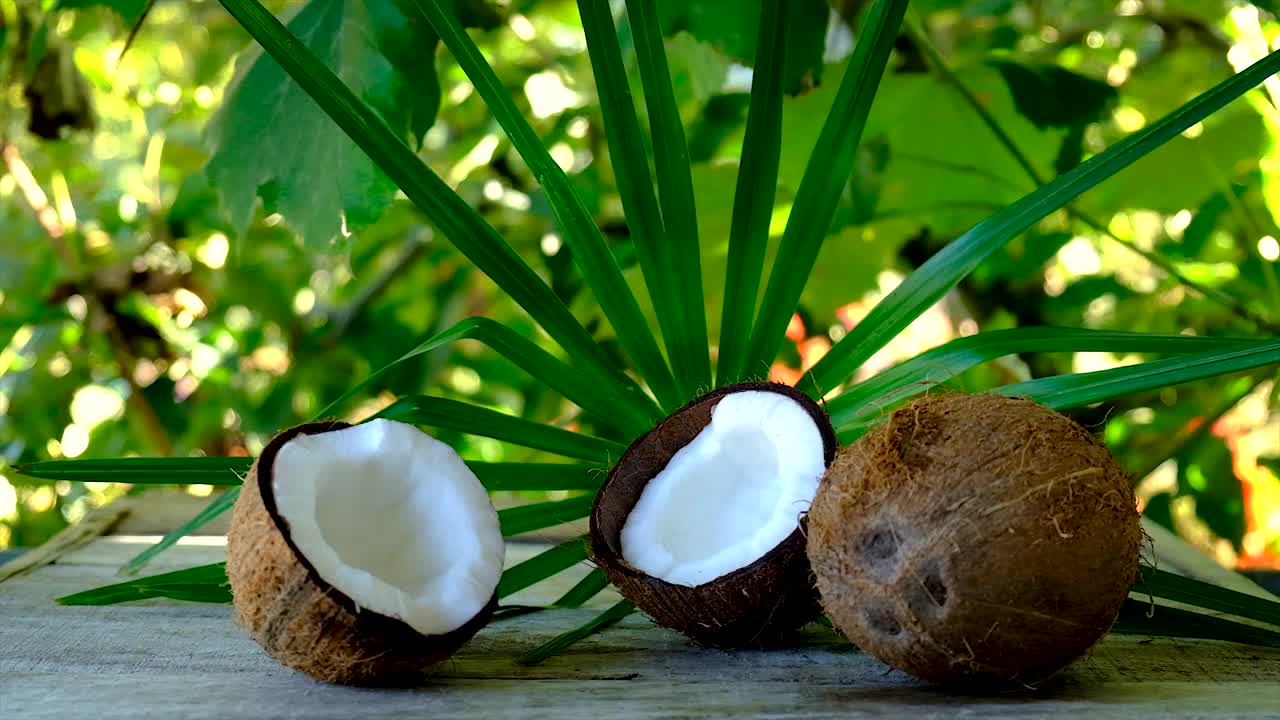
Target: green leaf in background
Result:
[[939, 365], [539, 516], [733, 29], [633, 412], [457, 220], [943, 270], [143, 471], [203, 583], [600, 622], [270, 139], [216, 507], [598, 265], [542, 566], [689, 354], [1053, 96], [1077, 389], [825, 177], [465, 418], [228, 471], [755, 193], [627, 152]]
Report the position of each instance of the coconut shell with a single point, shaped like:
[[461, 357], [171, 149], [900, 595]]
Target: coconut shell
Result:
[[753, 606], [301, 620], [975, 538]]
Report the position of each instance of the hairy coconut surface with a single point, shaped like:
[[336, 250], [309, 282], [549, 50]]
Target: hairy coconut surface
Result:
[[975, 537], [362, 555], [700, 522]]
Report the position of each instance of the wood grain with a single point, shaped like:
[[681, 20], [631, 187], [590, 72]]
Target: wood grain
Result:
[[163, 659]]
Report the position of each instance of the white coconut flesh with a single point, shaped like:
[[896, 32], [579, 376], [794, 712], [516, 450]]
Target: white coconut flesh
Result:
[[393, 519], [731, 495]]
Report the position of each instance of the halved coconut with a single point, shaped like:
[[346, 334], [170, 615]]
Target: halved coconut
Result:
[[701, 521], [362, 554]]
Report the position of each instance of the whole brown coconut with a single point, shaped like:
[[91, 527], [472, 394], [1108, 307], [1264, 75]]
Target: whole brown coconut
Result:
[[975, 538], [301, 619], [757, 604]]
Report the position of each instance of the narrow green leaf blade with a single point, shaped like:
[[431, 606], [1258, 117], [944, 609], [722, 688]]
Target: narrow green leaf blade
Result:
[[539, 516], [689, 354], [143, 471], [219, 505], [561, 642], [1140, 618], [1078, 389], [598, 265], [1180, 588], [474, 420], [941, 272], [456, 220], [830, 165], [542, 566], [229, 471], [203, 583], [588, 587], [590, 388], [920, 373], [755, 193], [537, 477], [631, 169]]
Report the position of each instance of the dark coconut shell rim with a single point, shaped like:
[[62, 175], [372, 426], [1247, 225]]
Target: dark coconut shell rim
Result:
[[606, 544], [372, 620]]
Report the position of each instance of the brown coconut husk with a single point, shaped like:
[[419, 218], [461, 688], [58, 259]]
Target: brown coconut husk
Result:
[[975, 537], [301, 620], [754, 606]]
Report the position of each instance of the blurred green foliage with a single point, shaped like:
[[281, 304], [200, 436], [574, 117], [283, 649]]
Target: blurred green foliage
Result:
[[194, 257]]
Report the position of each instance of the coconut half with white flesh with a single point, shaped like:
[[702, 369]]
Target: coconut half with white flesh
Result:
[[701, 521], [363, 554]]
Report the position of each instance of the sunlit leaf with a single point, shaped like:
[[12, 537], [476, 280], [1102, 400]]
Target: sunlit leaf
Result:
[[946, 268], [457, 220], [271, 140], [939, 365], [1077, 389]]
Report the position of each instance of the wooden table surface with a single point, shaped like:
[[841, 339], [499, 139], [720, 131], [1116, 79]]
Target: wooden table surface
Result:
[[170, 660]]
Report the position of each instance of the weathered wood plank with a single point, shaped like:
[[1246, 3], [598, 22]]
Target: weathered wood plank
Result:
[[190, 661], [165, 659], [164, 697]]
